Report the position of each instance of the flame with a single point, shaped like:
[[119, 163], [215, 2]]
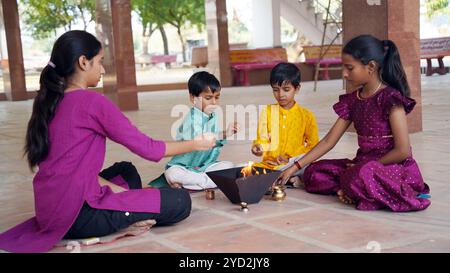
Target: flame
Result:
[[250, 170], [247, 171]]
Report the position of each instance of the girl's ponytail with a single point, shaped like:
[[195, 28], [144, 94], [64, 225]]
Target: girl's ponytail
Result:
[[51, 92], [392, 71]]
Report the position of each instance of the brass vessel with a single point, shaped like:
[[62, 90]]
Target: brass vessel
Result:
[[244, 207], [278, 193], [209, 194]]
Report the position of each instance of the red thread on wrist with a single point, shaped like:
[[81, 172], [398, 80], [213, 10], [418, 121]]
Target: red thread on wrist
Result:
[[298, 165]]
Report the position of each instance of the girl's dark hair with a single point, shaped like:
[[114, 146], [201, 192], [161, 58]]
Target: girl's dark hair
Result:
[[201, 81], [53, 81], [285, 72], [366, 48]]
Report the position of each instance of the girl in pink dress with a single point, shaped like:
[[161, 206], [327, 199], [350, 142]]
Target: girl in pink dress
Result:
[[66, 140], [383, 174]]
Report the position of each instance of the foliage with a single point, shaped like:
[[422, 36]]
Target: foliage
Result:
[[44, 17], [435, 7], [179, 13], [150, 14]]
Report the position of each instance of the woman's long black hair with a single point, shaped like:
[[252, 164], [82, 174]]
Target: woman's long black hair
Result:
[[366, 48], [53, 81]]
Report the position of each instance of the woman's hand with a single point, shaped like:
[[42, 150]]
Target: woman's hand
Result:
[[204, 142], [257, 150], [286, 174]]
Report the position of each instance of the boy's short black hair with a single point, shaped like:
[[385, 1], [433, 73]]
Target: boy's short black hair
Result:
[[201, 81], [285, 72]]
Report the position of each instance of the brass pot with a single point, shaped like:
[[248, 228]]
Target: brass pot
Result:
[[278, 193], [209, 194]]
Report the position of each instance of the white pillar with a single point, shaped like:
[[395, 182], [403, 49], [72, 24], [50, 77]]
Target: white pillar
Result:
[[266, 30]]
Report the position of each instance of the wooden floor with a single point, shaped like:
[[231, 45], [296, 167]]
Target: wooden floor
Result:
[[302, 223]]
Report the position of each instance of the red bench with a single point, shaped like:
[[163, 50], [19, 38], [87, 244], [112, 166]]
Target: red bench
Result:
[[157, 59], [331, 58], [242, 61], [435, 48], [199, 54], [144, 60]]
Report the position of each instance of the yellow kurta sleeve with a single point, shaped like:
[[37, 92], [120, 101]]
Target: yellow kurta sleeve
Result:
[[311, 132]]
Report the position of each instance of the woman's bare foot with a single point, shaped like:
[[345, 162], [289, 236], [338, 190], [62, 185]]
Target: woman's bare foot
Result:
[[144, 223], [344, 198], [138, 227]]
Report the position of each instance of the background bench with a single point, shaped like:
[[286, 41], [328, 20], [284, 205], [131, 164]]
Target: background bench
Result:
[[435, 48], [199, 54], [330, 61], [243, 61], [252, 66], [156, 59]]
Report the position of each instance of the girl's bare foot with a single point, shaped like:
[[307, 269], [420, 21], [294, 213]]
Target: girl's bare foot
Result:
[[296, 182], [344, 198]]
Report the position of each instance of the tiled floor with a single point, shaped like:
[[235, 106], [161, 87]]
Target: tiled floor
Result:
[[302, 223]]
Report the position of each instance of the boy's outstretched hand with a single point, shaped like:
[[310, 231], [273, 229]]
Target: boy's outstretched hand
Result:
[[257, 150], [282, 160], [232, 129], [204, 142]]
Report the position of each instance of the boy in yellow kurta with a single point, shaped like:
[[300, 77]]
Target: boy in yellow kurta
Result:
[[285, 130]]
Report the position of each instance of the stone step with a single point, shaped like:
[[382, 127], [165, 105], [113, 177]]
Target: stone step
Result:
[[302, 15]]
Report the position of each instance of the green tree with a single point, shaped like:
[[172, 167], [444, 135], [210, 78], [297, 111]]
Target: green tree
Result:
[[150, 18], [86, 11], [44, 17], [437, 7], [180, 13]]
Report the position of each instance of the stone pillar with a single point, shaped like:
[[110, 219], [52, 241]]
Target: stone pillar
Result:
[[218, 46], [12, 63], [397, 21], [115, 32], [266, 31]]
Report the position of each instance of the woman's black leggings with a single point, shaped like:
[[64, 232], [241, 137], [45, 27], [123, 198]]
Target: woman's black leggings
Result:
[[91, 222]]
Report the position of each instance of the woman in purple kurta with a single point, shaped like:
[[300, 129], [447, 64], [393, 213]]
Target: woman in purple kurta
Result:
[[383, 174], [67, 179]]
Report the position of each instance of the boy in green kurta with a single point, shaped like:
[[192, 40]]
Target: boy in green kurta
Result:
[[189, 170]]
